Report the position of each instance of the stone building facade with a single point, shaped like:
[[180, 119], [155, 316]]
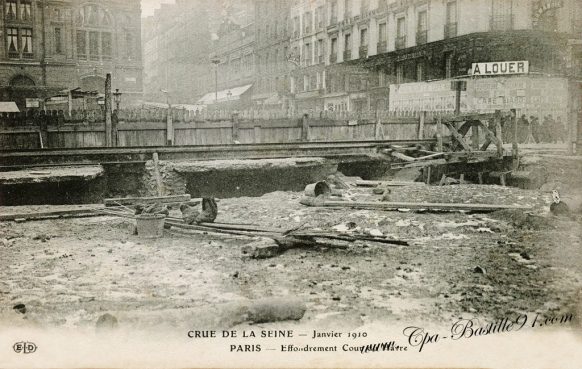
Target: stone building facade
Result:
[[50, 46], [363, 46], [272, 33]]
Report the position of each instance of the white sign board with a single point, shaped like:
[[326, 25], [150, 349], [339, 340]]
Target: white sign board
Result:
[[500, 68], [32, 103]]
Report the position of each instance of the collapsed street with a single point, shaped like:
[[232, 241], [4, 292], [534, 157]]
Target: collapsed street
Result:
[[70, 272]]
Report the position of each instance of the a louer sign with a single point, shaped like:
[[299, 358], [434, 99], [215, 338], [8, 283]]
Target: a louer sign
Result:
[[496, 68]]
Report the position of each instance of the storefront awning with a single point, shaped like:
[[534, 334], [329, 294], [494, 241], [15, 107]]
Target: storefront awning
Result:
[[8, 107], [231, 94]]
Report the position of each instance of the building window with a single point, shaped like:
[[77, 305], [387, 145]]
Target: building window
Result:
[[382, 32], [26, 40], [401, 33], [420, 71], [347, 8], [10, 12], [12, 42], [363, 51], [319, 18], [130, 45], [106, 45], [94, 37], [94, 45], [307, 57], [307, 22], [501, 15], [382, 37], [296, 27], [448, 65], [333, 51], [320, 50], [422, 28], [364, 37], [400, 73], [81, 44], [364, 7], [348, 47], [333, 12], [25, 10], [451, 19], [58, 41]]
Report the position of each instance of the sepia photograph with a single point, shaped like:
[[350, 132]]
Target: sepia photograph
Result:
[[290, 184]]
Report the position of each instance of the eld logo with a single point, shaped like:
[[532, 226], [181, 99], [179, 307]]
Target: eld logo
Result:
[[24, 347]]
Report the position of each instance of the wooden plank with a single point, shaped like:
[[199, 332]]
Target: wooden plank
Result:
[[310, 201], [89, 211], [147, 200], [417, 164], [431, 156], [364, 183], [402, 156]]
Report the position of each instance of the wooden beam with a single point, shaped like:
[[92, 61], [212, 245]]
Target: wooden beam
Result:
[[148, 200], [159, 183], [85, 211], [310, 201], [364, 183], [439, 135], [458, 137], [417, 164], [421, 121]]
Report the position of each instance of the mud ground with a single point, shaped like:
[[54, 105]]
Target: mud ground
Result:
[[68, 272]]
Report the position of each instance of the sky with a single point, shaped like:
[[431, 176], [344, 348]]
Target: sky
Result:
[[148, 6]]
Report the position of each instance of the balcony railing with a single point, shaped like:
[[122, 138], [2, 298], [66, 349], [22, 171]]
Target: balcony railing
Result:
[[27, 56], [400, 42], [421, 37], [450, 30], [333, 58], [347, 54], [501, 22], [13, 55], [382, 47], [363, 51]]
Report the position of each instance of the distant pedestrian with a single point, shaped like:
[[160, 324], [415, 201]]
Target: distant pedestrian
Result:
[[535, 128], [552, 129], [523, 129]]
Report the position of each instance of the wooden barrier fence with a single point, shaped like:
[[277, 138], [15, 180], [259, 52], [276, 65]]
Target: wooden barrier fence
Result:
[[155, 127]]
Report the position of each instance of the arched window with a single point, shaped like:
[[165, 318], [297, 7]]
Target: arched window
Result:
[[94, 33], [21, 81]]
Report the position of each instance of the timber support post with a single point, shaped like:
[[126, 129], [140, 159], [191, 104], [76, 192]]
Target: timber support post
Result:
[[421, 121], [108, 127], [439, 135], [305, 128], [170, 127]]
